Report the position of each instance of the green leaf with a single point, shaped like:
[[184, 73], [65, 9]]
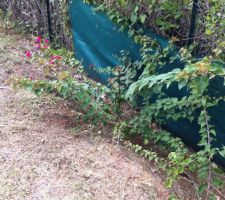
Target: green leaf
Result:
[[64, 91], [38, 92], [218, 171], [202, 188], [212, 197], [142, 18], [136, 9], [29, 87], [121, 2], [182, 84], [222, 152], [133, 18], [169, 183], [217, 182], [91, 112], [201, 83], [146, 141], [173, 197]]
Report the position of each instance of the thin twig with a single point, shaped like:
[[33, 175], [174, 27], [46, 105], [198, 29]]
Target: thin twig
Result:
[[189, 179], [209, 179]]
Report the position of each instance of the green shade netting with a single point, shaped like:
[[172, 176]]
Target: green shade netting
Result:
[[98, 42]]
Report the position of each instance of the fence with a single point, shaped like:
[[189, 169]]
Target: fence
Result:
[[33, 16], [99, 44]]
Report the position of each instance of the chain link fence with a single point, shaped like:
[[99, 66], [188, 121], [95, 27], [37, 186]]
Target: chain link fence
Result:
[[33, 17]]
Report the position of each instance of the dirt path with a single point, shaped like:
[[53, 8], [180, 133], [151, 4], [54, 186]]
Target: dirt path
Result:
[[46, 155]]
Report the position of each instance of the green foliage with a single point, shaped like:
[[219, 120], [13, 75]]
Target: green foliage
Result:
[[122, 76], [194, 78], [67, 57], [68, 80], [172, 20], [141, 81], [89, 95]]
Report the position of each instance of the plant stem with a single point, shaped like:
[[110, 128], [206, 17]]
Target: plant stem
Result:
[[209, 156]]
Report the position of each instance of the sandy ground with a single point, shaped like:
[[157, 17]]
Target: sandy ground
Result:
[[46, 155]]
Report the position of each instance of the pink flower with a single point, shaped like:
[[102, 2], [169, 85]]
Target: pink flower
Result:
[[28, 54], [38, 46], [45, 46], [51, 62], [46, 41], [38, 39], [56, 57]]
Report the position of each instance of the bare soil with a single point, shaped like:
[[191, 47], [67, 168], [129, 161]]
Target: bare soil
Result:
[[48, 153]]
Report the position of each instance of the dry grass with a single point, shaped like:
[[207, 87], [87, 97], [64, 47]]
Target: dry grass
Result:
[[43, 160], [45, 154]]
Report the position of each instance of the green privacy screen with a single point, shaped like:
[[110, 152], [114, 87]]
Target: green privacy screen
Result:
[[98, 42]]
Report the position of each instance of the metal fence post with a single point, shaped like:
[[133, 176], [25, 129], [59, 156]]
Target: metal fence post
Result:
[[193, 22], [49, 21]]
